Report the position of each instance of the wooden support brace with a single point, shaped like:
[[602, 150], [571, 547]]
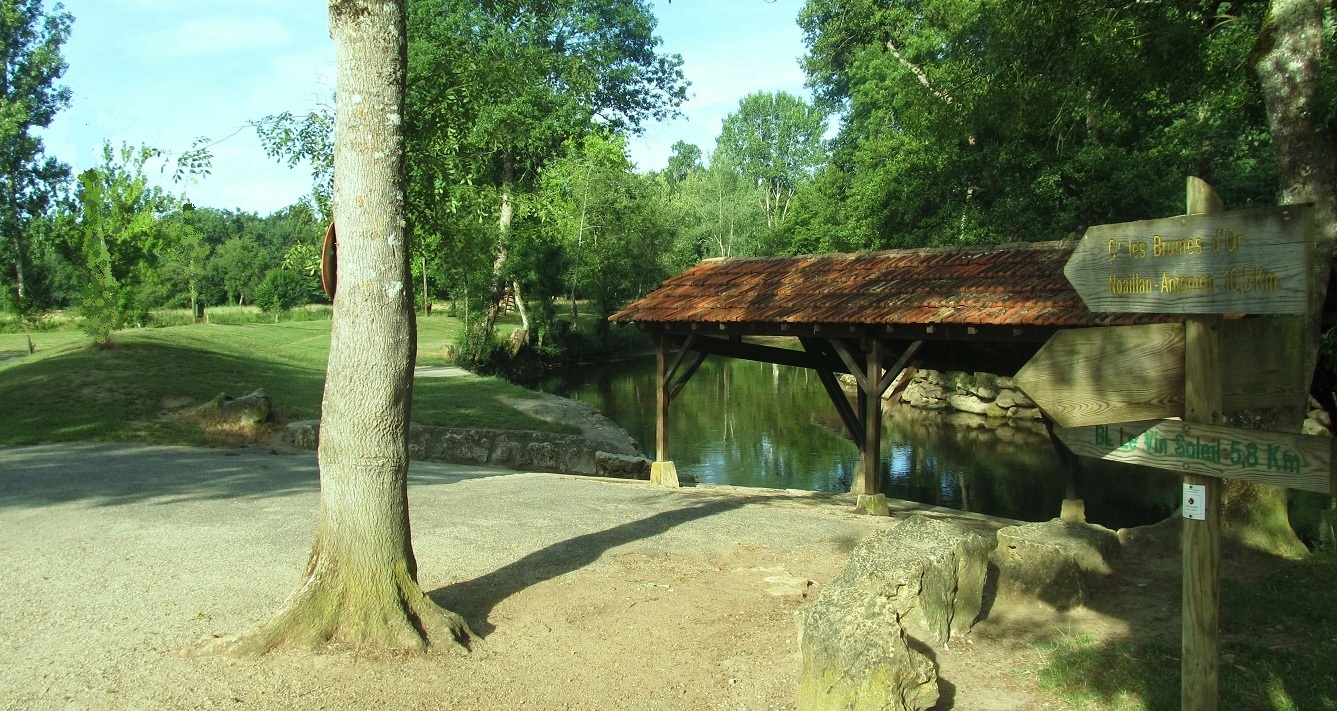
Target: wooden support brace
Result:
[[697, 359]]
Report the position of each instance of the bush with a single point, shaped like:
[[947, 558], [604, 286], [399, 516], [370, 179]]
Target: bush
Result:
[[281, 290]]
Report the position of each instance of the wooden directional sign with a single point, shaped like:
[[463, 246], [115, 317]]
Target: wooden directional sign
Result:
[[1250, 261], [1098, 376], [1292, 460], [1093, 376]]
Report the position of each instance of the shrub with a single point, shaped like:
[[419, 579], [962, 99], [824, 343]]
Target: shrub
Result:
[[281, 290]]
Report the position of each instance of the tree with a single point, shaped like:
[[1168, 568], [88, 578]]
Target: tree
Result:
[[974, 121], [116, 238], [361, 581], [775, 141], [30, 64], [684, 159], [496, 88]]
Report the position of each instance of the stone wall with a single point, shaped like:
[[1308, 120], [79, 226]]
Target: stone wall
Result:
[[985, 394], [513, 449]]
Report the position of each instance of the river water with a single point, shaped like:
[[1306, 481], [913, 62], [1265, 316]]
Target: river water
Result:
[[758, 424]]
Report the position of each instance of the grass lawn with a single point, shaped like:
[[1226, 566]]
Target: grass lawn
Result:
[[140, 388]]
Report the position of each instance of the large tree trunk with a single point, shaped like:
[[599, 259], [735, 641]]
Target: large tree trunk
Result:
[[360, 586], [1286, 60]]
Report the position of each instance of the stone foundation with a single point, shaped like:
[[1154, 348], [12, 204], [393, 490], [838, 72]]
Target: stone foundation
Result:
[[990, 396], [512, 449]]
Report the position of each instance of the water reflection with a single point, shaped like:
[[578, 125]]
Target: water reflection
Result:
[[759, 424]]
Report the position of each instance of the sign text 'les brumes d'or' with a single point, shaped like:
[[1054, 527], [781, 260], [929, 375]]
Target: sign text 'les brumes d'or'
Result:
[[1254, 261]]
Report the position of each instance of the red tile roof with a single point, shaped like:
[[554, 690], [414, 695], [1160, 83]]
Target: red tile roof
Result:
[[1013, 285]]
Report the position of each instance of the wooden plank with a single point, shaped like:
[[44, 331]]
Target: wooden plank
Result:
[[1264, 364], [1286, 459], [866, 481], [1093, 376], [1251, 261], [697, 359], [761, 353]]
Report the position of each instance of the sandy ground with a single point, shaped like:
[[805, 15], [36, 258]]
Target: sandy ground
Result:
[[589, 593]]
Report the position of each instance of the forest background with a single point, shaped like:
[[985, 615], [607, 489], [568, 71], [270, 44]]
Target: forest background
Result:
[[959, 122]]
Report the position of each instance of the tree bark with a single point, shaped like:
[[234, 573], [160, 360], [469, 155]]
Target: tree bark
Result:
[[503, 232], [1287, 61], [360, 587]]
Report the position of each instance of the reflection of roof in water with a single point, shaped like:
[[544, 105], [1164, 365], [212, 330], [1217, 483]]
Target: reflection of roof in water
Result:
[[1012, 285]]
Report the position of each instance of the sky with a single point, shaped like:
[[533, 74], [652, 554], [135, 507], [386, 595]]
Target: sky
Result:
[[166, 72]]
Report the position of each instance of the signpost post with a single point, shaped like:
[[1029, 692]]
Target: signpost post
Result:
[[1095, 383]]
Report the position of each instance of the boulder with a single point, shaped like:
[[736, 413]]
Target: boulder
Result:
[[250, 409], [621, 465], [925, 577], [1056, 562]]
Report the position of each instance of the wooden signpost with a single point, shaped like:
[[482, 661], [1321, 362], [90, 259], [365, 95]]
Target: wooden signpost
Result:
[[1100, 376], [1295, 461], [1095, 384], [1255, 261]]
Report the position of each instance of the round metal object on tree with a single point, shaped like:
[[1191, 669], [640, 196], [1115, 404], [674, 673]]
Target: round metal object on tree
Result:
[[328, 262]]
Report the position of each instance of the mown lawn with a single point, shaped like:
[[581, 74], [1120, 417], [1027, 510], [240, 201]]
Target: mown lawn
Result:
[[144, 385]]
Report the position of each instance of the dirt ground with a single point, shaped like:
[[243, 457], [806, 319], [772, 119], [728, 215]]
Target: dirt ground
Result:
[[589, 593]]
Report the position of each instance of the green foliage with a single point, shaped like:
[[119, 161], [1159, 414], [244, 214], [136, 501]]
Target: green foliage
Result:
[[982, 121], [30, 64], [774, 140], [282, 289], [115, 238]]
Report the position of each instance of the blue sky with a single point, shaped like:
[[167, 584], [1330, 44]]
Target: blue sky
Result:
[[163, 72]]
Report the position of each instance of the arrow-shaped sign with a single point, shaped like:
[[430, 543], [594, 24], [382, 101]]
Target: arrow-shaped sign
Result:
[[1250, 261], [1098, 376], [1093, 376], [1295, 461]]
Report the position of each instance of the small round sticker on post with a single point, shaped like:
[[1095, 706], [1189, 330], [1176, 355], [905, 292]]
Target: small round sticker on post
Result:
[[1195, 502]]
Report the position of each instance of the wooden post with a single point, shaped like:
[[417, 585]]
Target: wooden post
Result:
[[1202, 538], [662, 470], [871, 400], [661, 398]]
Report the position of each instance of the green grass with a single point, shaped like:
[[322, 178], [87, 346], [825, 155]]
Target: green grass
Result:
[[136, 390], [1278, 650]]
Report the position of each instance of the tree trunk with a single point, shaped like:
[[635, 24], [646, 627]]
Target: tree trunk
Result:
[[1286, 60], [503, 232], [360, 587]]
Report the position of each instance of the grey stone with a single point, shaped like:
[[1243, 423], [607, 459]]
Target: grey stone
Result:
[[507, 452], [578, 461], [305, 434], [250, 409], [542, 454], [1021, 398], [1056, 562], [973, 405], [925, 577], [621, 465], [1005, 399]]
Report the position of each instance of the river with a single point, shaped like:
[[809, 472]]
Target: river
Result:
[[763, 425]]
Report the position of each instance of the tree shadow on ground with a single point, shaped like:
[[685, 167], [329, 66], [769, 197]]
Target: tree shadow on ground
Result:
[[475, 599], [107, 474], [1278, 631]]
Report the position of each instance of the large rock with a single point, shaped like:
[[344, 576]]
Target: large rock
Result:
[[1056, 562], [924, 578], [250, 409]]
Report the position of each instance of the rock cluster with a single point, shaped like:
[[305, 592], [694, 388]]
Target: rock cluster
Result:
[[864, 638], [992, 396], [250, 409], [513, 449]]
